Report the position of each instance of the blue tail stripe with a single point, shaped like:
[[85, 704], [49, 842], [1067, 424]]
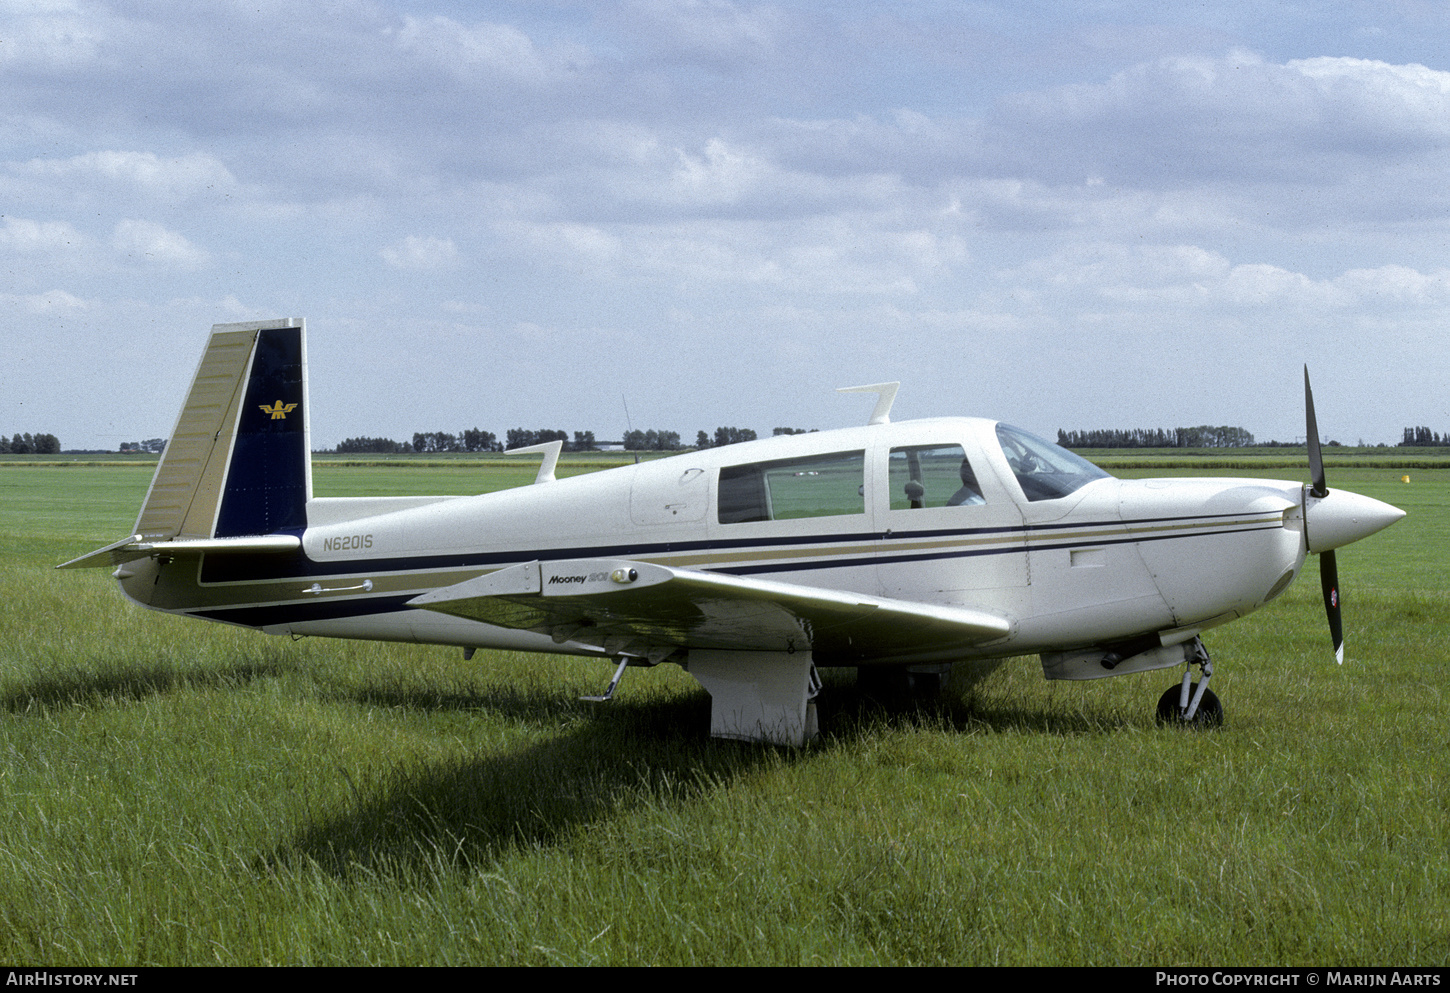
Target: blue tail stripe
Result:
[[266, 485]]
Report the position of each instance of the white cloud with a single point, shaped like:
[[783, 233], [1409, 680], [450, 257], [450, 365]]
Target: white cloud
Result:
[[1192, 278], [151, 242], [414, 252], [52, 33], [720, 175], [1234, 117], [715, 28], [1261, 284], [22, 235], [565, 244], [1411, 94], [612, 165], [1397, 284], [638, 174], [486, 50], [851, 254], [180, 176], [50, 302]]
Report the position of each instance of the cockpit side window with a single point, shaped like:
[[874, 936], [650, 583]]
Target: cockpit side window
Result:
[[814, 486], [932, 476], [1044, 470]]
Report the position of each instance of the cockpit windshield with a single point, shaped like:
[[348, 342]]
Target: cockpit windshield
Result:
[[1045, 471]]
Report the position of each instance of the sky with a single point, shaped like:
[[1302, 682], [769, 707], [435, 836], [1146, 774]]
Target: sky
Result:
[[682, 214]]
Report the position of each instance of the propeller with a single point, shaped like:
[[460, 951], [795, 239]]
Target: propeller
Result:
[[1328, 565]]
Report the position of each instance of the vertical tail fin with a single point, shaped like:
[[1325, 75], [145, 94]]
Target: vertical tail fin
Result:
[[239, 459]]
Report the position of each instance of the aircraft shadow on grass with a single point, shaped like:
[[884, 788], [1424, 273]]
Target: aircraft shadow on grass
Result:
[[470, 810], [90, 682]]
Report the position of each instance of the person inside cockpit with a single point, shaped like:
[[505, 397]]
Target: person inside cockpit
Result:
[[970, 494]]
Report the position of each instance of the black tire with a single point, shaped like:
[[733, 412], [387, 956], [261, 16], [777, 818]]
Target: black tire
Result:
[[887, 682], [883, 682], [928, 683], [1209, 715]]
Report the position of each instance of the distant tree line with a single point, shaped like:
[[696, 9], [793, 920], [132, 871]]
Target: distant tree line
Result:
[[372, 446], [157, 445], [1203, 436], [472, 440], [476, 440], [652, 441], [583, 441], [1423, 437], [30, 444], [724, 436], [669, 441]]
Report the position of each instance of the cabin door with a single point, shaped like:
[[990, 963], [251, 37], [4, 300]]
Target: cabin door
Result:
[[950, 532]]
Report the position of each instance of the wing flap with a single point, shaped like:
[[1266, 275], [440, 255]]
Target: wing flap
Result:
[[649, 609]]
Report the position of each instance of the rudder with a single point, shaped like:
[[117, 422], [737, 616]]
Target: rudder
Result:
[[239, 459]]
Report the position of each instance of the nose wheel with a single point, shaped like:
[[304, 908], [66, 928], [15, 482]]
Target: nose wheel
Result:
[[1192, 704]]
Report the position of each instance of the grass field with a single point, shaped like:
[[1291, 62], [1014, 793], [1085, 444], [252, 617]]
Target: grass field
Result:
[[174, 792]]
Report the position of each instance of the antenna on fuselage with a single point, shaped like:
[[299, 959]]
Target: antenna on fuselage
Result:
[[885, 397], [627, 422]]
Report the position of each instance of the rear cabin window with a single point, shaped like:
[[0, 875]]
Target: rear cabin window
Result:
[[815, 486], [932, 476]]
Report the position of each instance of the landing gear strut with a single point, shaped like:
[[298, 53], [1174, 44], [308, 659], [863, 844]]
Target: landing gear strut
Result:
[[1192, 704]]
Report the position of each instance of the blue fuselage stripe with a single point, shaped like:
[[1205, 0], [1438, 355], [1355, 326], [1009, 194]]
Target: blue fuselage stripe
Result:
[[242, 567], [229, 568]]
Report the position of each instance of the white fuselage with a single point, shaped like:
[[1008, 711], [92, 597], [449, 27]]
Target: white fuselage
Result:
[[1108, 562]]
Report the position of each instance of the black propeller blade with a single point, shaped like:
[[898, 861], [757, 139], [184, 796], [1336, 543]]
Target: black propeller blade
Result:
[[1328, 565], [1329, 583], [1316, 458]]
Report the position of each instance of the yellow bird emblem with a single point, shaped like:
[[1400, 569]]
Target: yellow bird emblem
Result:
[[279, 410]]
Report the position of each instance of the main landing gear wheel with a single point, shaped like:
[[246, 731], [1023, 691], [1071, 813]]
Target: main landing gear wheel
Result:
[[889, 682], [1209, 714]]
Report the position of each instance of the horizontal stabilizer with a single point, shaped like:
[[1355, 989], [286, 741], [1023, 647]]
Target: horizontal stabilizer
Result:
[[138, 547], [645, 609]]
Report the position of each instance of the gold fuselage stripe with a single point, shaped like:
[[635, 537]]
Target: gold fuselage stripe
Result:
[[394, 582]]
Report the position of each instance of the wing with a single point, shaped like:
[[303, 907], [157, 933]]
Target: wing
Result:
[[650, 610]]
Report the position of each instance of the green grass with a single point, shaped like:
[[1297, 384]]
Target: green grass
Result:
[[181, 793]]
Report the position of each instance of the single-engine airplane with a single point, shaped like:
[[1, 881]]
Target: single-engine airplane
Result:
[[888, 547]]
